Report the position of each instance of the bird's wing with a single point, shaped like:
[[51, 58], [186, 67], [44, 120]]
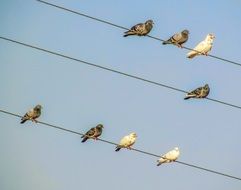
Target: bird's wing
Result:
[[91, 132], [30, 113], [201, 46], [124, 141], [98, 132], [177, 37], [197, 91], [196, 50], [136, 27]]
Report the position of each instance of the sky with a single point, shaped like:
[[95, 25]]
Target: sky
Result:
[[76, 96]]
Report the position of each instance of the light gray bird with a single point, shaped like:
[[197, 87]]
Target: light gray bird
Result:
[[170, 156], [140, 29], [127, 141], [32, 114], [203, 47], [201, 92], [93, 133], [178, 39]]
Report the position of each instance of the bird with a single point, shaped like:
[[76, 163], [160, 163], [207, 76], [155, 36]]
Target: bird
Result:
[[170, 156], [93, 133], [140, 29], [178, 39], [32, 114], [200, 92], [203, 47], [127, 141]]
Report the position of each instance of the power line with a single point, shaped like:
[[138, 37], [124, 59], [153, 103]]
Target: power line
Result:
[[113, 70], [134, 149], [124, 28]]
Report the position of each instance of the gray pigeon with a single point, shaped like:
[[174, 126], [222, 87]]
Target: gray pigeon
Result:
[[32, 114], [93, 133], [140, 29], [201, 92], [178, 39]]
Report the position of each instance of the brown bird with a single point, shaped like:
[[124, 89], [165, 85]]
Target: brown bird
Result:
[[178, 39], [201, 92], [32, 114], [140, 29], [93, 133]]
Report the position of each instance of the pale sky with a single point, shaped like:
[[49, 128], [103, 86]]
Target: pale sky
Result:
[[77, 97]]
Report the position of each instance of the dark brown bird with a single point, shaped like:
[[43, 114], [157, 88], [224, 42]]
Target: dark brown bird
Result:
[[201, 92], [93, 133]]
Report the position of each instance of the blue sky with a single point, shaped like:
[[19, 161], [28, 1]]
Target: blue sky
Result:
[[77, 97]]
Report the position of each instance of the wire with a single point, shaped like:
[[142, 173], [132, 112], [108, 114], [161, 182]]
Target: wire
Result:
[[134, 149], [124, 28], [112, 70]]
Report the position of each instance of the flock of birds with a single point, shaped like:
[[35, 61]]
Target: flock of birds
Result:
[[143, 29], [95, 132]]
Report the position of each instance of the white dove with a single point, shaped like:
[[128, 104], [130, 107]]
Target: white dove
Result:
[[169, 157], [203, 47], [127, 141]]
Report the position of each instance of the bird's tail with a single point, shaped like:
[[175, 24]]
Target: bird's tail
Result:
[[84, 139], [117, 148], [188, 96], [166, 42], [191, 54], [23, 121], [158, 163], [128, 33]]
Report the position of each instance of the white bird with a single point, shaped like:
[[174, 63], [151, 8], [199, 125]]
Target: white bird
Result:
[[203, 47], [169, 156], [127, 141]]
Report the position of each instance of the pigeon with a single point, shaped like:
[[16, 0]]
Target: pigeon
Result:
[[32, 114], [203, 47], [171, 156], [127, 141], [201, 92], [140, 29], [178, 39], [93, 133]]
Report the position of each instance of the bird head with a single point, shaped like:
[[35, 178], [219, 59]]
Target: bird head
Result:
[[100, 126], [149, 22], [38, 107], [206, 86], [185, 32], [210, 38], [133, 135], [176, 149]]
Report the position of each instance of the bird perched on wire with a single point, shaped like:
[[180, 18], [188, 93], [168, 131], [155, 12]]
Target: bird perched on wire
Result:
[[203, 47], [140, 29], [32, 114], [170, 156], [201, 92], [127, 141], [178, 39], [93, 133]]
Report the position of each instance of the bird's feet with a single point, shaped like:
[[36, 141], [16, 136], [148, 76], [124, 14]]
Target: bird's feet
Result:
[[179, 45], [35, 121]]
